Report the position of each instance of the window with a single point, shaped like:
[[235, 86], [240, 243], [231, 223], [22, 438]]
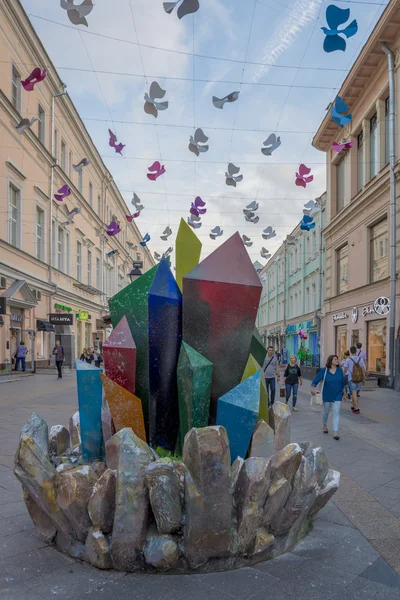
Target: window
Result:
[[41, 124], [90, 193], [296, 306], [342, 270], [16, 89], [56, 144], [341, 340], [63, 156], [99, 205], [387, 132], [373, 144], [98, 273], [39, 233], [308, 306], [39, 341], [295, 260], [376, 350], [360, 160], [70, 165], [14, 210], [68, 254], [314, 242], [80, 181], [78, 261], [313, 296], [379, 251], [89, 267], [60, 249], [340, 184]]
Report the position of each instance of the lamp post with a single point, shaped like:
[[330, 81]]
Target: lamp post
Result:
[[134, 274]]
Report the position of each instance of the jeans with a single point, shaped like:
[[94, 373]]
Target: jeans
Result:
[[336, 411], [270, 382], [21, 359], [289, 388], [59, 366], [354, 387]]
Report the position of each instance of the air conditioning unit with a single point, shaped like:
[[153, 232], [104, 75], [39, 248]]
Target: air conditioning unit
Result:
[[3, 283], [37, 294]]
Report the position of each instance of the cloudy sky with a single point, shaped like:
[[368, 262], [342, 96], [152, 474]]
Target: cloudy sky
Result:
[[271, 51]]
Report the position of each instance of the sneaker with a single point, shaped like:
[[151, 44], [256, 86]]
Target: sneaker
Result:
[[295, 409]]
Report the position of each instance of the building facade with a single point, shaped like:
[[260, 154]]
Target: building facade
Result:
[[357, 232], [56, 275], [292, 293]]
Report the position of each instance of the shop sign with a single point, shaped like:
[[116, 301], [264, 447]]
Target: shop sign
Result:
[[83, 315], [368, 310], [291, 328], [354, 314], [61, 319], [340, 316], [382, 306], [64, 308], [16, 317]]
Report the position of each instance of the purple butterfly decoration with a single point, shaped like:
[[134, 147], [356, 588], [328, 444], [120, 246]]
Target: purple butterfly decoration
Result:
[[301, 176], [339, 146], [113, 229], [113, 142], [157, 171], [35, 77], [63, 192], [197, 207]]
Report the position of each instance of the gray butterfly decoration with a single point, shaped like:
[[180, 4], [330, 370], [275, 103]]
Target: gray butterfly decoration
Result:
[[187, 7], [250, 216], [167, 252], [25, 124], [220, 102], [157, 256], [232, 177], [291, 240], [196, 141], [71, 214], [194, 222], [264, 253], [247, 241], [77, 13], [268, 233], [216, 232], [272, 143], [136, 202], [82, 163], [166, 233], [151, 106]]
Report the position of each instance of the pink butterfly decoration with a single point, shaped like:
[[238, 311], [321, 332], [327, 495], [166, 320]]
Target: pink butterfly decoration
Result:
[[131, 217], [196, 208], [35, 77], [339, 146], [301, 179], [157, 171], [113, 229], [63, 192], [113, 142]]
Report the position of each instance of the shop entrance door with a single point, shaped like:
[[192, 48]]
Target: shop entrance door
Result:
[[341, 341]]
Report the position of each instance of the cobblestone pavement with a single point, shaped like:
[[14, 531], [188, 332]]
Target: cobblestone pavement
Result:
[[352, 553]]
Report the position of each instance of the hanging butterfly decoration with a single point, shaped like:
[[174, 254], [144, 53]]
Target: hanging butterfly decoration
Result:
[[157, 256], [166, 233], [310, 205], [339, 146], [112, 252], [264, 253], [35, 77], [136, 202], [85, 162], [77, 13], [71, 214], [187, 7], [268, 233], [113, 229], [232, 177], [220, 102], [151, 106], [196, 143], [113, 142], [130, 218], [197, 207], [216, 232], [335, 17], [291, 240], [167, 252], [246, 240], [303, 176], [25, 124], [271, 144], [249, 212], [63, 192], [338, 110], [194, 222], [145, 239], [307, 223], [156, 170]]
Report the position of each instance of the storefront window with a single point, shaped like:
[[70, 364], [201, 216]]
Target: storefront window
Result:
[[341, 340], [355, 337], [376, 353]]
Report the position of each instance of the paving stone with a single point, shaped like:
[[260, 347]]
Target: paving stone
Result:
[[390, 550], [387, 496], [364, 589], [381, 572], [394, 483], [240, 584], [11, 509], [25, 568], [375, 478], [19, 543], [334, 515], [373, 520]]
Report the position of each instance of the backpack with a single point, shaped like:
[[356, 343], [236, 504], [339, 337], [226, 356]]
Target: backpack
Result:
[[358, 372]]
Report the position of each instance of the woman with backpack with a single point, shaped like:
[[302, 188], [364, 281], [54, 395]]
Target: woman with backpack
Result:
[[355, 371], [333, 389]]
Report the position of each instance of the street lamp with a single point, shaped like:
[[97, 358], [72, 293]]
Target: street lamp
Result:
[[134, 274]]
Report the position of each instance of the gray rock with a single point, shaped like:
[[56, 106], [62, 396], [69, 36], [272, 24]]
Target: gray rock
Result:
[[264, 541], [161, 551], [306, 448], [112, 450], [36, 428], [282, 415], [263, 441], [318, 464], [329, 487], [163, 484], [44, 526], [208, 530], [74, 490], [101, 506], [235, 472], [75, 429], [70, 545], [106, 423], [59, 440], [132, 504], [279, 492], [99, 468], [38, 475], [286, 462], [97, 549], [249, 497], [271, 418]]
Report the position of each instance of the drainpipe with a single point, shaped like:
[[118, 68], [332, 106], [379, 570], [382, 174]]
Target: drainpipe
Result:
[[392, 152], [320, 284], [284, 294]]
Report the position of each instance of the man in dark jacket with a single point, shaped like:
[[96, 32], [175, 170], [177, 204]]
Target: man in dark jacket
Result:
[[58, 352]]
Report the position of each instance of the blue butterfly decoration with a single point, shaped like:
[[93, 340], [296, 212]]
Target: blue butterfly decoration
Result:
[[145, 240], [336, 16], [338, 109], [307, 223]]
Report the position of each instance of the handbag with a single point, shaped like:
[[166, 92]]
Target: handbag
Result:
[[317, 398], [282, 392]]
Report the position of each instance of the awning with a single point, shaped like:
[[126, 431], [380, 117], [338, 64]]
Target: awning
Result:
[[44, 326]]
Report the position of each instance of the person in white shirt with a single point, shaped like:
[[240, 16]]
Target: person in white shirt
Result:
[[349, 370]]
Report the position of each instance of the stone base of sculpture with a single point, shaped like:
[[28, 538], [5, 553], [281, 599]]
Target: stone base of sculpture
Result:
[[138, 512]]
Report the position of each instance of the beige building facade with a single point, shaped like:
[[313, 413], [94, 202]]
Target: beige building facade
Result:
[[357, 233], [55, 276]]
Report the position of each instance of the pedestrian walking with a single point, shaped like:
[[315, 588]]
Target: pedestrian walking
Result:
[[98, 357], [361, 354], [343, 364], [271, 370], [355, 371], [284, 355], [291, 380], [333, 387], [58, 352], [83, 355], [20, 356]]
